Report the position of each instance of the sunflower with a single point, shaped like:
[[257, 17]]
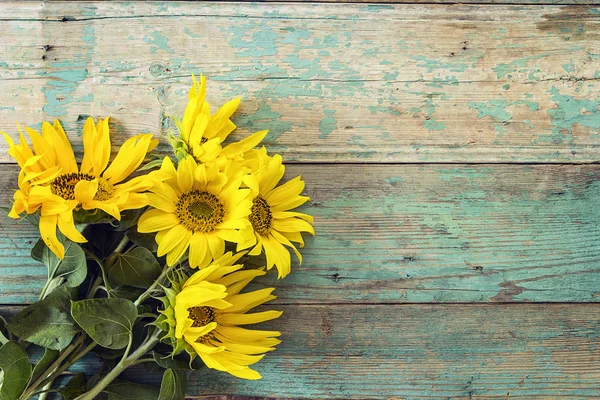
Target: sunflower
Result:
[[273, 226], [51, 181], [201, 134], [203, 315], [196, 206]]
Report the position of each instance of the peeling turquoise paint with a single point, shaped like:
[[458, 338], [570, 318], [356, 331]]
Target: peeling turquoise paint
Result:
[[500, 131], [570, 111], [66, 77], [440, 83], [496, 109], [430, 123], [375, 8], [569, 67], [158, 41], [263, 118], [312, 67], [393, 180], [254, 42], [188, 32], [328, 124], [504, 70], [384, 109]]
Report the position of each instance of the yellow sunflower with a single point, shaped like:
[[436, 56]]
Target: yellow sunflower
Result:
[[201, 134], [196, 206], [203, 315], [273, 225], [51, 181]]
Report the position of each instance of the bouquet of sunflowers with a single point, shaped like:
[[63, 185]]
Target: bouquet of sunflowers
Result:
[[148, 258]]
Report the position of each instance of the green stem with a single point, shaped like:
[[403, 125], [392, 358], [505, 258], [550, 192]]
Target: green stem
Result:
[[153, 287], [45, 390], [141, 361], [65, 353], [72, 360], [3, 339], [45, 289], [122, 244], [94, 288], [101, 265], [125, 363]]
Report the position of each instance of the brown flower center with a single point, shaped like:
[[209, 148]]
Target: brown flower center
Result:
[[200, 211], [64, 186], [261, 216], [202, 316]]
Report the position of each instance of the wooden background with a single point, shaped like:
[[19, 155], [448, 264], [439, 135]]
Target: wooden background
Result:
[[450, 151]]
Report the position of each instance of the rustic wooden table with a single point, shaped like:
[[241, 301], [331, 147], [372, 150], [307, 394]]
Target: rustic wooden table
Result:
[[450, 151]]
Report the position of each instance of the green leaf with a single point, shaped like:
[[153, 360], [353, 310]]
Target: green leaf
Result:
[[129, 219], [137, 268], [109, 354], [179, 362], [107, 321], [103, 239], [97, 216], [17, 370], [145, 240], [74, 388], [150, 165], [48, 322], [123, 390], [49, 357], [173, 385], [73, 267], [127, 292]]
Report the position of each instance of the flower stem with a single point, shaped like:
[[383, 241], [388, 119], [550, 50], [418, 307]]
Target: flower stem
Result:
[[72, 360], [65, 353], [3, 339], [153, 287], [102, 269], [125, 363]]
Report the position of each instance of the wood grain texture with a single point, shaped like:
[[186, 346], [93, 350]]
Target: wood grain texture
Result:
[[412, 233], [349, 351], [345, 82]]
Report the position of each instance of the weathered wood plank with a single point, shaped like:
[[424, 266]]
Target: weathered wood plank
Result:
[[338, 83], [374, 4], [534, 351], [416, 352], [413, 233]]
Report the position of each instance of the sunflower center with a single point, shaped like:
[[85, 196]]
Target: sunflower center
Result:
[[201, 316], [200, 211], [261, 216], [64, 186]]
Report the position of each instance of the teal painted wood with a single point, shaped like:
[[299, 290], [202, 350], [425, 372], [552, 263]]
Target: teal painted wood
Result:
[[349, 351], [437, 233], [342, 82]]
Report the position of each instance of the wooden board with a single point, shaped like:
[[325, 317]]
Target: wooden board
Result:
[[413, 233], [346, 82], [438, 351], [393, 351], [349, 351], [375, 4], [418, 129]]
